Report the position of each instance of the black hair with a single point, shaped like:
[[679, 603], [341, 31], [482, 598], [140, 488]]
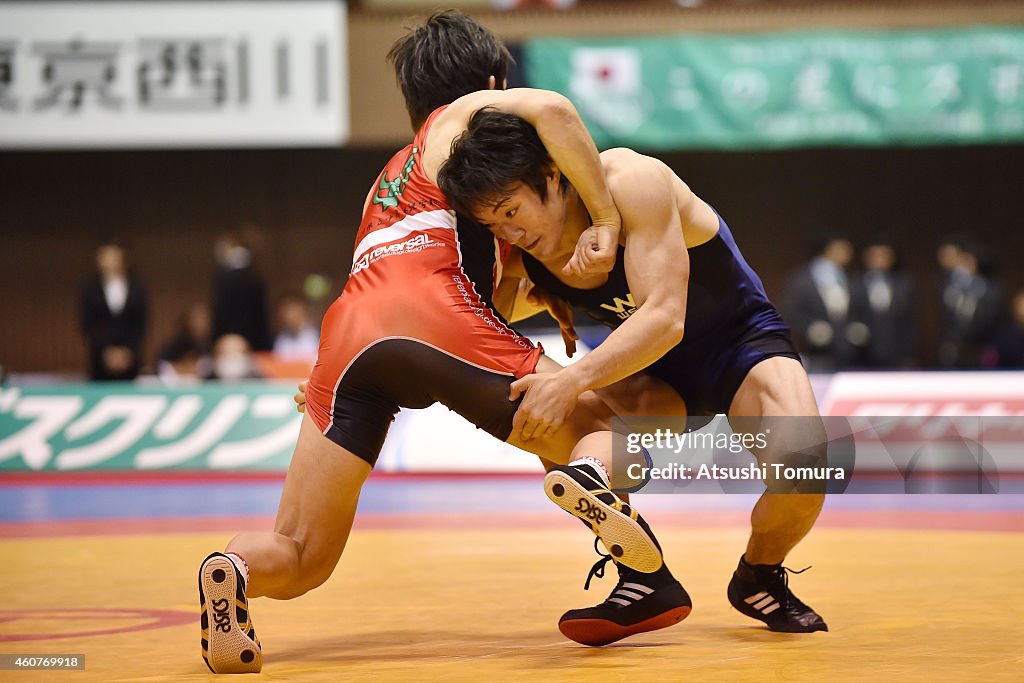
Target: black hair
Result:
[[496, 152], [447, 56]]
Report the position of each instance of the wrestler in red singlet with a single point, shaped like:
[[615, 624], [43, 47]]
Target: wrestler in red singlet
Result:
[[411, 327]]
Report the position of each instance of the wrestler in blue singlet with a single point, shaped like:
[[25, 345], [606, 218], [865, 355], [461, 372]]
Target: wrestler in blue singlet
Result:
[[731, 326]]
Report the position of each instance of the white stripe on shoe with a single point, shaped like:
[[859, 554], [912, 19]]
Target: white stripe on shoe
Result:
[[763, 602], [630, 594], [754, 598]]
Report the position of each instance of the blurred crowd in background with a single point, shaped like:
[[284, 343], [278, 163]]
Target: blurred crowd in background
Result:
[[849, 308], [235, 335], [861, 313], [852, 305]]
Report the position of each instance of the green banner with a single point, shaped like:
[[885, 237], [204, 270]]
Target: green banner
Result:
[[791, 89], [135, 427]]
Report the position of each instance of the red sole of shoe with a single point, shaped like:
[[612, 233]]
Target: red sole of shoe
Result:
[[597, 632]]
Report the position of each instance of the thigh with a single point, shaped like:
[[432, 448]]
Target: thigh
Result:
[[777, 386], [642, 394], [590, 415], [775, 399], [321, 491]]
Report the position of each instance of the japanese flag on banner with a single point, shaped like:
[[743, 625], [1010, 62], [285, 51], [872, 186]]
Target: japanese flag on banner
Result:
[[606, 83], [608, 69]]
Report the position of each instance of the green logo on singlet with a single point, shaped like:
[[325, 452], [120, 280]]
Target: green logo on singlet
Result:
[[393, 189]]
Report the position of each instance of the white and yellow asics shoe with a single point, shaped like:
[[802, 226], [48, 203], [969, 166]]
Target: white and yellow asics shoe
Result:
[[584, 493], [229, 641]]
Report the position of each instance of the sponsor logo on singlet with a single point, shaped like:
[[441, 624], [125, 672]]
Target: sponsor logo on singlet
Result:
[[410, 246], [622, 308], [390, 190]]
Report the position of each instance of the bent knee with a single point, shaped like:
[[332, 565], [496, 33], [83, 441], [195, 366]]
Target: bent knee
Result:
[[302, 582]]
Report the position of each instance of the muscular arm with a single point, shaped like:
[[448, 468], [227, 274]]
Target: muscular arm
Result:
[[657, 269], [560, 129]]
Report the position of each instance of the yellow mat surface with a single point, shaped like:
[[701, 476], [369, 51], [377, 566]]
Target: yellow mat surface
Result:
[[483, 606]]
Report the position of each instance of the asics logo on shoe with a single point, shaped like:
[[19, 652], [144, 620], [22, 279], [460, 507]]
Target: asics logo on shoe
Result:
[[220, 615], [590, 511]]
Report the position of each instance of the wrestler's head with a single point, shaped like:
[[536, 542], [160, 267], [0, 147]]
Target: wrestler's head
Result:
[[447, 56], [499, 173]]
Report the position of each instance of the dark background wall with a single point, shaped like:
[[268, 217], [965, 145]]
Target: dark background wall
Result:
[[54, 207], [305, 204]]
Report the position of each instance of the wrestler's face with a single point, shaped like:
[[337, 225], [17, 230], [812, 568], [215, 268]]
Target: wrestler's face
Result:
[[523, 219]]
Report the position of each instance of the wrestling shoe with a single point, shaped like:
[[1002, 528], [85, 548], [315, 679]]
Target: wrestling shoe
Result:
[[231, 645], [761, 591], [584, 492], [639, 603]]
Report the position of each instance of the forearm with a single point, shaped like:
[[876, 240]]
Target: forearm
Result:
[[641, 340], [567, 140]]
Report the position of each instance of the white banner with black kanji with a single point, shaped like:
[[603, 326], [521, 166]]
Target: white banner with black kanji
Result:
[[173, 74]]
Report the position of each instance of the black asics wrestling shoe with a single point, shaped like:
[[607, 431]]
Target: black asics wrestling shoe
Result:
[[639, 603], [229, 641], [583, 492], [761, 591]]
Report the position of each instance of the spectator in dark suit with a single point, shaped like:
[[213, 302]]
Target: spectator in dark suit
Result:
[[1007, 351], [825, 306], [892, 308], [947, 256], [239, 295], [970, 309], [113, 315]]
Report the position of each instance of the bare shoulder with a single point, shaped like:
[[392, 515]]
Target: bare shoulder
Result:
[[620, 159], [635, 178], [448, 125]]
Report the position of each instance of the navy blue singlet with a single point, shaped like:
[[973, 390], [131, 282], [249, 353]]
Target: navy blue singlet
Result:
[[730, 324]]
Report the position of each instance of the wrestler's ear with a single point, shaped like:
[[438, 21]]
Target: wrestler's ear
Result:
[[553, 178]]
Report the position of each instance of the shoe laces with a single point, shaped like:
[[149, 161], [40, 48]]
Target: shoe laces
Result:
[[779, 576], [598, 569]]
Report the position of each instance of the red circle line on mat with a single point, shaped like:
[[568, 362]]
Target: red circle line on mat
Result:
[[156, 618]]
